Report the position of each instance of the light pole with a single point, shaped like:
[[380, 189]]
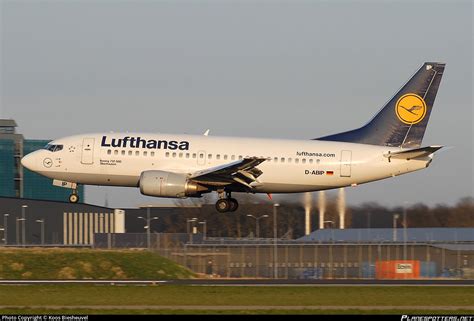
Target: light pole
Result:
[[188, 229], [204, 229], [332, 229], [395, 218], [23, 229], [42, 230], [257, 223], [275, 235], [405, 231], [5, 228], [148, 221], [18, 220]]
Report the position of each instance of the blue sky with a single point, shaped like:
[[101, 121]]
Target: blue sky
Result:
[[282, 69]]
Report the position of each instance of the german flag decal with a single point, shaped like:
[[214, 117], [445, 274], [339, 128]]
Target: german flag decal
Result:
[[329, 173]]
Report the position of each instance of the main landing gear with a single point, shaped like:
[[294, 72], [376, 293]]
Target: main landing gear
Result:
[[74, 198], [226, 203]]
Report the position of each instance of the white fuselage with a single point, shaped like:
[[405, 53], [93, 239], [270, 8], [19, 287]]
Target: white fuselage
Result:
[[292, 165]]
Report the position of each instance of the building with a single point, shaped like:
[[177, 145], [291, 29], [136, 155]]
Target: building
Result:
[[16, 181], [76, 224], [27, 222], [374, 235]]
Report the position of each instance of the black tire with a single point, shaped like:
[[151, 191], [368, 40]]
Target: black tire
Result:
[[73, 198], [234, 205], [223, 205]]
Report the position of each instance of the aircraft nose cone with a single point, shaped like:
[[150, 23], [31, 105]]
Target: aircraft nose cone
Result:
[[29, 161]]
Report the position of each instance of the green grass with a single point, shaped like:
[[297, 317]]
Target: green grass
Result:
[[81, 298], [87, 264], [172, 295]]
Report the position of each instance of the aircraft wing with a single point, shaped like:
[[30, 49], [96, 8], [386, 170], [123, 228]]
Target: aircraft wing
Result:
[[413, 153], [243, 171]]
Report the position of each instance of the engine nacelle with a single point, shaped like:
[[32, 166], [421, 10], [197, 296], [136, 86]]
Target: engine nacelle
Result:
[[168, 184]]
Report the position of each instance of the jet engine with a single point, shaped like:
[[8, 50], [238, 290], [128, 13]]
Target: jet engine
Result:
[[168, 184]]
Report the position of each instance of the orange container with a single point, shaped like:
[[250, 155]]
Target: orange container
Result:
[[399, 269]]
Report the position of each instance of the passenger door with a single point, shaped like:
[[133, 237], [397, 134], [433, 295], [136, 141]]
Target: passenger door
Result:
[[88, 151], [346, 158]]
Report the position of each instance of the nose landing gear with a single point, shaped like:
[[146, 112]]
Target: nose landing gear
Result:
[[226, 203], [74, 198]]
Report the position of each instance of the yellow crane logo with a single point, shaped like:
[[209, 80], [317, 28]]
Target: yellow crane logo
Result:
[[410, 109]]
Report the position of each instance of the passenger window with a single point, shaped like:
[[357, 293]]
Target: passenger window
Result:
[[311, 161], [115, 152], [225, 157], [282, 159], [194, 155], [109, 152], [289, 160], [145, 153], [201, 155], [174, 155], [297, 160], [167, 154], [187, 155], [137, 153], [130, 153], [240, 157], [303, 160], [318, 161], [123, 152], [218, 156], [180, 155], [152, 154], [209, 156], [233, 157], [275, 159]]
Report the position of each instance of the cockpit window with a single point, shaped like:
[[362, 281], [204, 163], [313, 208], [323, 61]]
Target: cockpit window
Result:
[[53, 148]]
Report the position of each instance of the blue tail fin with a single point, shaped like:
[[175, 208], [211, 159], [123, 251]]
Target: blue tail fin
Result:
[[402, 121]]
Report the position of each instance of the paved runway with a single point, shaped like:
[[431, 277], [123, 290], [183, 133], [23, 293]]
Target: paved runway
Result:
[[254, 282]]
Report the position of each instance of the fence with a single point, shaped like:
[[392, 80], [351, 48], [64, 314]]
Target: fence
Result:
[[305, 260]]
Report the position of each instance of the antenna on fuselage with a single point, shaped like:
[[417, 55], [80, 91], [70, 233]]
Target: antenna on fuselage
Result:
[[206, 133]]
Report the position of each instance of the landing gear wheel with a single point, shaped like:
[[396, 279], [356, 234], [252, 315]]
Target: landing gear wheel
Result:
[[223, 205], [234, 205], [73, 198]]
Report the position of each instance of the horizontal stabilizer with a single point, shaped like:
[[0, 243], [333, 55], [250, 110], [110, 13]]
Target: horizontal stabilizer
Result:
[[413, 153]]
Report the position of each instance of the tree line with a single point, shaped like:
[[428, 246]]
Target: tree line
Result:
[[291, 218]]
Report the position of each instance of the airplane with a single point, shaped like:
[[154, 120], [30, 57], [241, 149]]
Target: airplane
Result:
[[180, 166]]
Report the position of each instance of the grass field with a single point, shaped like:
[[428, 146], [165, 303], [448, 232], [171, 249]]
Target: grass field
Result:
[[244, 300], [87, 264]]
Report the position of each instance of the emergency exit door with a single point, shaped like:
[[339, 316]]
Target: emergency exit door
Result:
[[88, 151], [346, 158], [201, 158]]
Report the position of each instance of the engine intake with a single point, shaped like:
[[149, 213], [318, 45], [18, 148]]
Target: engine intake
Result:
[[168, 184]]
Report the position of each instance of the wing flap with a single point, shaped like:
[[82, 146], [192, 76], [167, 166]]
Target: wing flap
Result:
[[243, 172]]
